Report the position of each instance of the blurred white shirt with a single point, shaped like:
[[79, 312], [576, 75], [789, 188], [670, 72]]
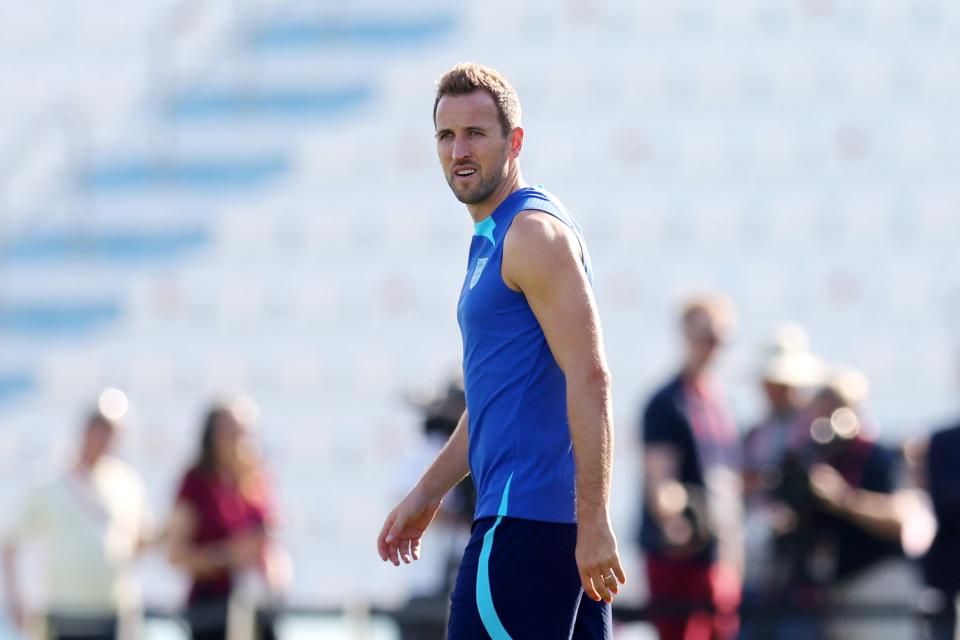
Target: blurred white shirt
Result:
[[88, 530]]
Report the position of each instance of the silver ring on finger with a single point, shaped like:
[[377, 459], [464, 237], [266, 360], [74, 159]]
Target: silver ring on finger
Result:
[[610, 577]]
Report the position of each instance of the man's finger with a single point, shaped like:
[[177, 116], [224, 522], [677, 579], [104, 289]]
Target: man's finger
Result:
[[600, 585], [415, 549], [393, 545], [395, 539], [405, 553], [588, 587], [619, 572], [382, 538], [611, 583]]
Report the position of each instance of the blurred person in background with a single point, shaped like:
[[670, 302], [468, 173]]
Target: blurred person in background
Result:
[[90, 524], [938, 462], [537, 435], [691, 529], [220, 532], [441, 412], [839, 546], [787, 370], [429, 588]]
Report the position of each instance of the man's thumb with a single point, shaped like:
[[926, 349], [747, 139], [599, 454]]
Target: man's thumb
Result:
[[398, 524]]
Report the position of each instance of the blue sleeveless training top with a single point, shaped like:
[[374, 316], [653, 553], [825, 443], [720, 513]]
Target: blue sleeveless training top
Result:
[[521, 455]]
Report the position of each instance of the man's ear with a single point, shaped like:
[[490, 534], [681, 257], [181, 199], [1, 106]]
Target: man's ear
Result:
[[516, 142]]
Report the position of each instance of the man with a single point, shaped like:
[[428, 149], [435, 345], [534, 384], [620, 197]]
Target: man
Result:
[[691, 519], [936, 462], [537, 435], [786, 371], [90, 524], [845, 547], [940, 563]]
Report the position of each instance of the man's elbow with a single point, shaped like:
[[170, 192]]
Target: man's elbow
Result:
[[595, 378]]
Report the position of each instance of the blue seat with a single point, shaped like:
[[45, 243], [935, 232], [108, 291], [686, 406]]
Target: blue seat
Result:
[[118, 246], [193, 174], [57, 317], [367, 32], [292, 103]]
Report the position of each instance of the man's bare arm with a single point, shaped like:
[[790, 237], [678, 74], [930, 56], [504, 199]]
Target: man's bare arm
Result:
[[874, 512], [661, 486], [543, 260], [400, 535]]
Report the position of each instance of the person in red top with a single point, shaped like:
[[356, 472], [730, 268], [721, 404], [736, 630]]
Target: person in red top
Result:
[[220, 532]]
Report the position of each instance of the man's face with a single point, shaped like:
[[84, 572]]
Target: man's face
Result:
[[471, 144], [704, 334], [97, 441], [780, 396]]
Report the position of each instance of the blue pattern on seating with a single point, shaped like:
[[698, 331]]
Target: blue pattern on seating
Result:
[[14, 384], [220, 173], [375, 31], [294, 103], [117, 246], [57, 317]]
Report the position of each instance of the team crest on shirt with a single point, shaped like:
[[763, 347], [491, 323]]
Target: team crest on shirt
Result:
[[477, 271]]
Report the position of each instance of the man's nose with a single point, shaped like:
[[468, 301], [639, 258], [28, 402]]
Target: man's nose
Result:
[[460, 149]]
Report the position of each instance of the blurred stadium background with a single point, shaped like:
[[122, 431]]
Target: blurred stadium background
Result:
[[207, 195]]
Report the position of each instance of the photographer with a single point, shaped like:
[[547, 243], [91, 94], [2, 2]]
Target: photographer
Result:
[[786, 374], [429, 587], [840, 544]]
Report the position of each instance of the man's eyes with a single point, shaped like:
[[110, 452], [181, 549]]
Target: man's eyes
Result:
[[447, 135]]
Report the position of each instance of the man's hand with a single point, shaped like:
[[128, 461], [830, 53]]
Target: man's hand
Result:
[[399, 538], [599, 561], [830, 487]]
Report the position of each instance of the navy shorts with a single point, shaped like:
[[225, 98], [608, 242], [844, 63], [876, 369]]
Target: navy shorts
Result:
[[519, 580]]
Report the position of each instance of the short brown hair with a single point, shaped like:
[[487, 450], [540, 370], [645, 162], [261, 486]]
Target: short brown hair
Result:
[[717, 307], [467, 77]]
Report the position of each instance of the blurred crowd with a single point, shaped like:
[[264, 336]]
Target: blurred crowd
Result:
[[800, 525], [92, 522]]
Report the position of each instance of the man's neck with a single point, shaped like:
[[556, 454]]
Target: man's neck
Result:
[[84, 467], [511, 183], [695, 376]]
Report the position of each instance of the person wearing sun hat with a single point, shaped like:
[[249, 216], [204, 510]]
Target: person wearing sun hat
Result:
[[858, 516], [786, 370]]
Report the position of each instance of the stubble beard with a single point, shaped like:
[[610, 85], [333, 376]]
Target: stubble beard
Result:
[[487, 187]]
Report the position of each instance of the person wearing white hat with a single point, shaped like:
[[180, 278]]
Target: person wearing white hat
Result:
[[787, 368], [833, 512], [857, 519]]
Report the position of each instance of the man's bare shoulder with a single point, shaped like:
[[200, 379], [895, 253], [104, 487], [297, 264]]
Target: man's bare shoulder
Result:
[[537, 233], [534, 226], [537, 245]]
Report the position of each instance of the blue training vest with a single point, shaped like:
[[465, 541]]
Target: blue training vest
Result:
[[516, 392]]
